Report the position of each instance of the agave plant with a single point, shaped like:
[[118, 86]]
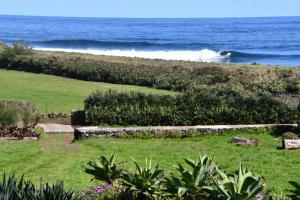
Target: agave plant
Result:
[[243, 185], [47, 192], [13, 189], [145, 183], [296, 191], [10, 188], [106, 169], [194, 182]]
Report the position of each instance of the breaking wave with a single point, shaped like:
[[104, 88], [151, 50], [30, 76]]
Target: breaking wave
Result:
[[204, 55]]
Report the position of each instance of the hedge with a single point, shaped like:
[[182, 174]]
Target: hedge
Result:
[[189, 108]]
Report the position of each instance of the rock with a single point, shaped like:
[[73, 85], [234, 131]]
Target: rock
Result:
[[245, 141], [78, 117], [291, 143]]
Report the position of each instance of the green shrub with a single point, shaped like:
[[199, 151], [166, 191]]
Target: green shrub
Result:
[[296, 190], [194, 182], [6, 55], [197, 179], [105, 169], [13, 189], [243, 185], [21, 48], [290, 135], [189, 108], [144, 184], [293, 87], [20, 114]]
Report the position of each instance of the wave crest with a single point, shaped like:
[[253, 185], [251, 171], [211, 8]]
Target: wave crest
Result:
[[204, 55]]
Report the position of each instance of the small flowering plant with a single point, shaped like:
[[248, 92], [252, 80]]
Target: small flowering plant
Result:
[[101, 191], [101, 188]]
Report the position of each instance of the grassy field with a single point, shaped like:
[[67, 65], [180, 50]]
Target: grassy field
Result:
[[56, 158], [55, 94]]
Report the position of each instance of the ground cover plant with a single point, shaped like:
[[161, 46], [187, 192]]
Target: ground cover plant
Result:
[[55, 94], [254, 80], [55, 156], [189, 108]]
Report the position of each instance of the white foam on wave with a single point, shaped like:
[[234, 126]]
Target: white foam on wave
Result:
[[204, 55]]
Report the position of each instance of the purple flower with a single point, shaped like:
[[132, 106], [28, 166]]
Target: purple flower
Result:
[[101, 188]]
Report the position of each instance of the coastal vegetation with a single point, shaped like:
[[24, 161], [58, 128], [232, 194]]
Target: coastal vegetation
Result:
[[281, 83]]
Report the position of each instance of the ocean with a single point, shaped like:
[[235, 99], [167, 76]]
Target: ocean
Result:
[[274, 40]]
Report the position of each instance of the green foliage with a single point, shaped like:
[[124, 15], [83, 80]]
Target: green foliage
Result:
[[13, 189], [17, 113], [293, 87], [145, 183], [55, 94], [6, 55], [290, 135], [105, 169], [21, 48], [189, 108], [171, 75], [197, 179], [193, 182], [243, 185], [296, 191]]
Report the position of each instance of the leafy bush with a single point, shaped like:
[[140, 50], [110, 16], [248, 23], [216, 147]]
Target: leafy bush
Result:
[[189, 108], [290, 135], [20, 114], [13, 189], [21, 48], [6, 55]]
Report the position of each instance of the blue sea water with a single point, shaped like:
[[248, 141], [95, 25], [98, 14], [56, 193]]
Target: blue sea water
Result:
[[231, 40]]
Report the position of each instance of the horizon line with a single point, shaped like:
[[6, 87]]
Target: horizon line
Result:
[[233, 17]]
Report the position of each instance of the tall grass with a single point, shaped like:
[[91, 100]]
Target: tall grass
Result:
[[20, 114]]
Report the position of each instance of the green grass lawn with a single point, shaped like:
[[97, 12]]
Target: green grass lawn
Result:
[[56, 158], [55, 94]]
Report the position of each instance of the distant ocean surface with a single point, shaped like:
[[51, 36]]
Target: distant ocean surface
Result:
[[232, 40]]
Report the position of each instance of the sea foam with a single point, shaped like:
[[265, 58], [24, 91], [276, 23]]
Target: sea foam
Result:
[[204, 55]]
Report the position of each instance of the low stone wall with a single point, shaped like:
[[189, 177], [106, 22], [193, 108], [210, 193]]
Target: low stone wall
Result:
[[85, 132], [18, 138]]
